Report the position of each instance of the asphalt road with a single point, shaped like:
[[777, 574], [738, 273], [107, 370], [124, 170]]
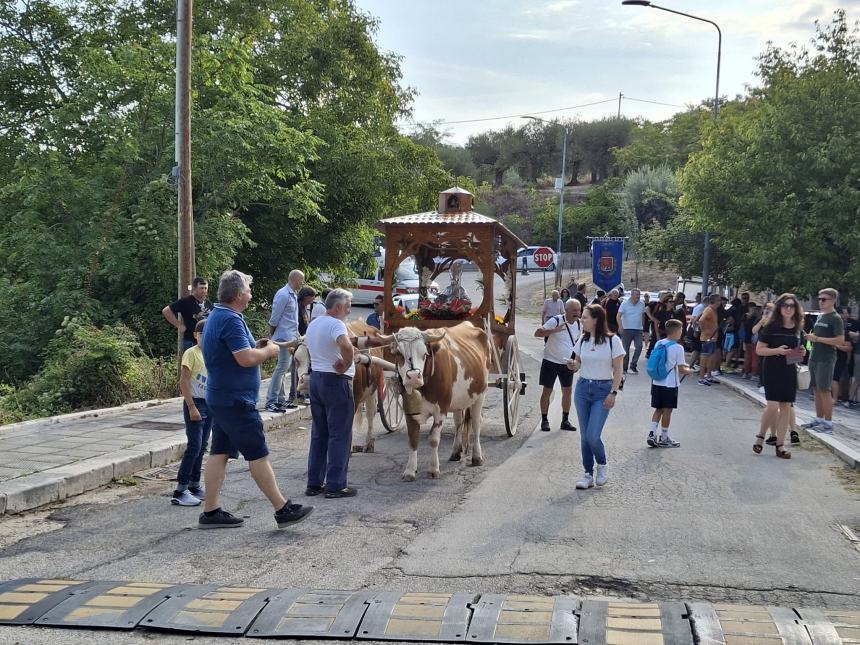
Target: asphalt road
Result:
[[708, 521]]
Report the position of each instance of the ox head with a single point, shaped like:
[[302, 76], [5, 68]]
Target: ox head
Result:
[[412, 349], [302, 359]]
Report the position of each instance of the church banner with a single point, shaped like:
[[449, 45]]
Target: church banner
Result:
[[606, 261]]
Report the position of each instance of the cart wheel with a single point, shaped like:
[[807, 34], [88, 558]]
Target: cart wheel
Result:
[[512, 386], [390, 408]]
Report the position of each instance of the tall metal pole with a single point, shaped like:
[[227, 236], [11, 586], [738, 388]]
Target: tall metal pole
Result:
[[183, 148], [619, 104], [558, 276], [706, 257]]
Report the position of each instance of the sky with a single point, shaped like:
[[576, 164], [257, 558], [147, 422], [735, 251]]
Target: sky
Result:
[[474, 59]]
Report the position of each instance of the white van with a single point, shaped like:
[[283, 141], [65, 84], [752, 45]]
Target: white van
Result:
[[367, 287]]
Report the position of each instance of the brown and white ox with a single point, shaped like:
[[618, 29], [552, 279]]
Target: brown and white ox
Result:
[[449, 370], [365, 384]]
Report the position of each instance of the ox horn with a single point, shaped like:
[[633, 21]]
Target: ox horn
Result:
[[434, 338]]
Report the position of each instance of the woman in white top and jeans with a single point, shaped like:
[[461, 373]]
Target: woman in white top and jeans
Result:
[[599, 358]]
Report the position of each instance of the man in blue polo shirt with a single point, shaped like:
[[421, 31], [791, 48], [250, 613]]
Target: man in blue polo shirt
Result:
[[233, 359]]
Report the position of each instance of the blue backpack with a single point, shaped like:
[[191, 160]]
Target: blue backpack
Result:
[[656, 367]]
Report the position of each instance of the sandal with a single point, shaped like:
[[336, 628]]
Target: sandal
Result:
[[757, 447], [782, 453], [771, 440]]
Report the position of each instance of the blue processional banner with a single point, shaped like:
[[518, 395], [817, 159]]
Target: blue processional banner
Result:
[[606, 261]]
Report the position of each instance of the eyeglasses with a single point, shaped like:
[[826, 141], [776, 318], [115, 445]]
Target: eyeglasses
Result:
[[820, 298], [788, 305]]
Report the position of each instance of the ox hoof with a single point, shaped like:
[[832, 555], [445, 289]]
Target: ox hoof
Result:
[[358, 449], [454, 457], [434, 474], [476, 461], [408, 477], [369, 448]]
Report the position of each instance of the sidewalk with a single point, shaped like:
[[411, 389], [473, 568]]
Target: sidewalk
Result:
[[845, 440], [48, 460]]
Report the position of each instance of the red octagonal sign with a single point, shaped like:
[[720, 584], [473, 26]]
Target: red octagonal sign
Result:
[[543, 257]]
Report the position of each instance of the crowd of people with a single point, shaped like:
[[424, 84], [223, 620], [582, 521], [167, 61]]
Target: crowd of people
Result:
[[771, 344], [220, 383]]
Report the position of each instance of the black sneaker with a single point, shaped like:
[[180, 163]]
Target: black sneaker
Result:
[[276, 407], [634, 369], [544, 425], [795, 438], [566, 425], [221, 519], [343, 492], [291, 514], [313, 491], [290, 406], [771, 440]]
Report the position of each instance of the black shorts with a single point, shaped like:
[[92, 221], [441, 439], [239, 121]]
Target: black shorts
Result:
[[663, 397], [549, 371], [238, 428]]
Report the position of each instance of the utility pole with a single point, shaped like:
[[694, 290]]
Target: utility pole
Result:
[[619, 104], [183, 149]]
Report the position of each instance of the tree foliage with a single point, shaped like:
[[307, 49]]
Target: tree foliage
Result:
[[779, 183], [295, 155]]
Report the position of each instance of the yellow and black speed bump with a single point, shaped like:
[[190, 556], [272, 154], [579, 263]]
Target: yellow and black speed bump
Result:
[[633, 623], [397, 616], [210, 609], [115, 605], [314, 613], [22, 602], [500, 618], [750, 624], [831, 626]]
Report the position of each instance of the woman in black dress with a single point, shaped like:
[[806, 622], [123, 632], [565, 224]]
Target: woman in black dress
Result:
[[779, 343]]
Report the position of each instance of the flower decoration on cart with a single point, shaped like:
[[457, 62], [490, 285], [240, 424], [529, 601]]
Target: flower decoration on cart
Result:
[[445, 309]]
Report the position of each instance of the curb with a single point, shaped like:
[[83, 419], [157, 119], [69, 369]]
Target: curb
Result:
[[85, 414], [845, 453], [60, 483]]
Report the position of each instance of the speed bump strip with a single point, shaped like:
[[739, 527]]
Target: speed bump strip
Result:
[[22, 602], [210, 609], [398, 616], [315, 613], [510, 618], [831, 626], [634, 623], [116, 605], [759, 625]]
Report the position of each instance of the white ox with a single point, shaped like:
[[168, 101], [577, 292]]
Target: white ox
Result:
[[449, 370]]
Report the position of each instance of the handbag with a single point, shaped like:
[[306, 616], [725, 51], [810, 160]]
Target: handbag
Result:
[[803, 377]]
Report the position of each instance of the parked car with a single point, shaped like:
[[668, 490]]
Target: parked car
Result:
[[372, 284]]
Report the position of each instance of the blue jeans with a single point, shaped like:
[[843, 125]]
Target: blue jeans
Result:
[[198, 436], [332, 410], [277, 389], [588, 399]]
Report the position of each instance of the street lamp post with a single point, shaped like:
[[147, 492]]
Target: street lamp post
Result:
[[706, 259], [561, 199]]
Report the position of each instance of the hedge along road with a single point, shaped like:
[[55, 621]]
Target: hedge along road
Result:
[[707, 521]]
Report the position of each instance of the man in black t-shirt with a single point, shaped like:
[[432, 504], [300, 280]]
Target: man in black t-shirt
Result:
[[186, 312], [613, 304]]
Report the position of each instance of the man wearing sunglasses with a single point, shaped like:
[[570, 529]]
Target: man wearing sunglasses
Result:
[[826, 336]]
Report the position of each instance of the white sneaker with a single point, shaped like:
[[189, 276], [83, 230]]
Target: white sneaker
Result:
[[812, 424], [601, 474], [184, 499], [587, 481]]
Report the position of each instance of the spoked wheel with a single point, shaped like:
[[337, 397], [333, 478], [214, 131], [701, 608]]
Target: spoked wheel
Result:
[[390, 407], [512, 387]]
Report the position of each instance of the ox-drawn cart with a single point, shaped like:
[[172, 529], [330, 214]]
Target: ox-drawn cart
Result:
[[445, 240]]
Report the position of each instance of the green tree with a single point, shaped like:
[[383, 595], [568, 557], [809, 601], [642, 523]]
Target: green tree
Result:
[[778, 182], [598, 214]]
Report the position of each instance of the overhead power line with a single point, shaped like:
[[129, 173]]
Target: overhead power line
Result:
[[561, 109]]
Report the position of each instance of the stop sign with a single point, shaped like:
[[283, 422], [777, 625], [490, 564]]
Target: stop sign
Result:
[[543, 257]]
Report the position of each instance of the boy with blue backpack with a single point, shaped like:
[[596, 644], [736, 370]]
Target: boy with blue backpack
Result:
[[666, 363]]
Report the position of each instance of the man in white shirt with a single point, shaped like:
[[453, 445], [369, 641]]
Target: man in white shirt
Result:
[[562, 332], [553, 306], [630, 329], [332, 403], [698, 310]]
